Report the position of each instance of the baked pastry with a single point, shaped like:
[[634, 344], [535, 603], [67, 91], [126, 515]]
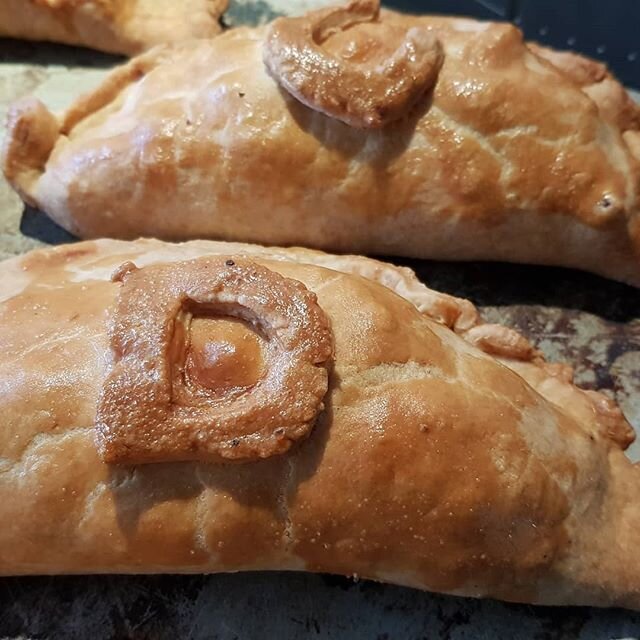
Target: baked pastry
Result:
[[115, 26], [386, 134], [221, 407]]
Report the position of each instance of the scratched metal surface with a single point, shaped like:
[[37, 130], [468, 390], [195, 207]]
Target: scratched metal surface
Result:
[[587, 321]]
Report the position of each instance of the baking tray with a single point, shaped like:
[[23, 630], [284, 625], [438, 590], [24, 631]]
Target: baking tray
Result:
[[573, 317]]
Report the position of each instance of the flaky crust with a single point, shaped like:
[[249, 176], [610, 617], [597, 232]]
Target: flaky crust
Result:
[[116, 26], [432, 464], [517, 153]]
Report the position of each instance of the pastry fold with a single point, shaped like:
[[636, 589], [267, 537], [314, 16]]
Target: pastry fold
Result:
[[115, 26], [351, 130], [208, 407]]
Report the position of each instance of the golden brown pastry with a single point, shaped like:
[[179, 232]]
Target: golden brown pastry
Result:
[[302, 411], [115, 26], [429, 137]]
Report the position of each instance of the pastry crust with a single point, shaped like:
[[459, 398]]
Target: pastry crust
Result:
[[115, 26], [432, 465], [513, 152]]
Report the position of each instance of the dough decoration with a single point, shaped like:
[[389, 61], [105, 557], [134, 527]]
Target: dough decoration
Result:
[[160, 404], [362, 89]]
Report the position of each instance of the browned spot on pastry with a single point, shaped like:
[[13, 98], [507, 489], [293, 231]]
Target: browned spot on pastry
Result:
[[189, 386], [369, 84]]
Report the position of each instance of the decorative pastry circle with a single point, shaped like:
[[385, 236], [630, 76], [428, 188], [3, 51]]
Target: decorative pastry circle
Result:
[[150, 410], [366, 95]]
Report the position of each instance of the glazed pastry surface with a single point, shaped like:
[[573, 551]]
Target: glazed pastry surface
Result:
[[349, 130], [424, 447]]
